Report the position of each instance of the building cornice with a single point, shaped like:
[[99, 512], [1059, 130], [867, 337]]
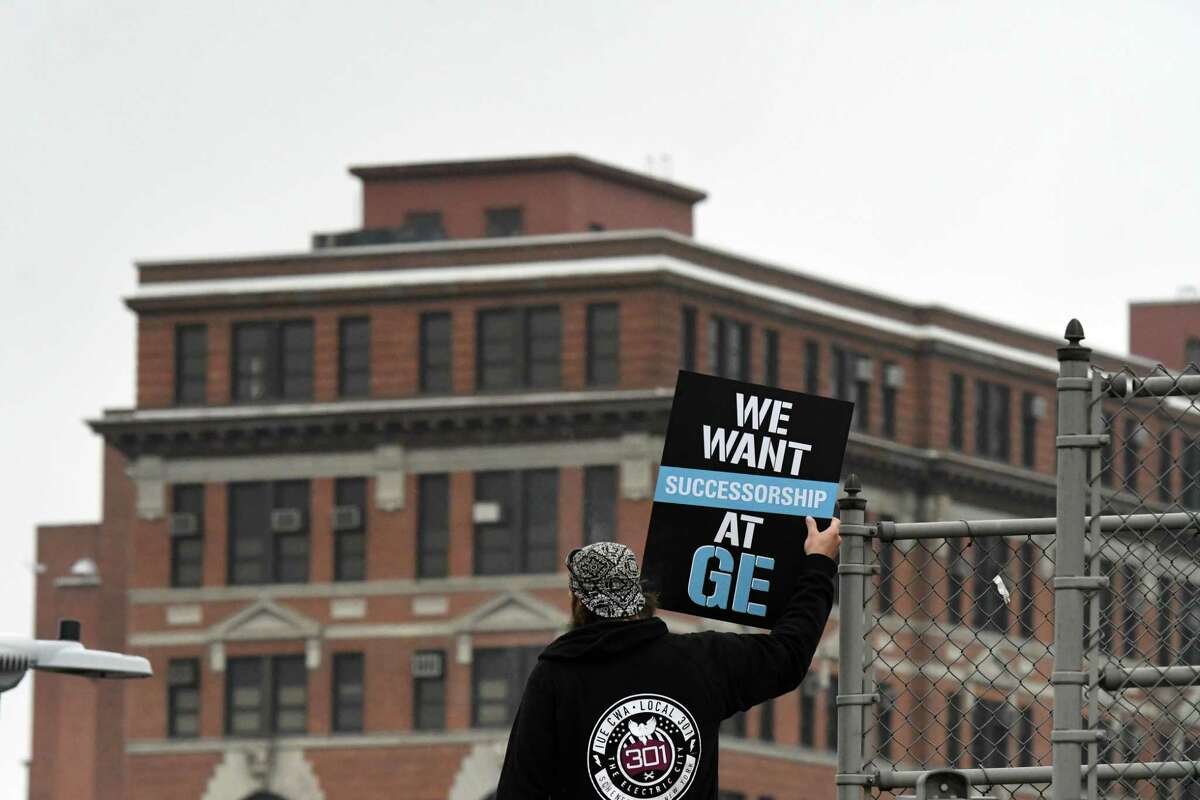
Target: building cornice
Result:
[[348, 425]]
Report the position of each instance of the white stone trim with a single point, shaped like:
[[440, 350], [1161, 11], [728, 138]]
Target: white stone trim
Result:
[[157, 747]]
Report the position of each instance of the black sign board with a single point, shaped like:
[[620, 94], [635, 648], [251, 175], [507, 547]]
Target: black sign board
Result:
[[741, 467]]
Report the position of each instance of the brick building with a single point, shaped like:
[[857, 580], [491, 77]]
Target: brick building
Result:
[[335, 518]]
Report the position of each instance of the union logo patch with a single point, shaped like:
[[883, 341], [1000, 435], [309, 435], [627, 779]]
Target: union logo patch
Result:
[[645, 746]]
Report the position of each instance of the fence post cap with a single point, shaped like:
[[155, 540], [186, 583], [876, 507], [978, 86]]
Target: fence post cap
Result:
[[1074, 351]]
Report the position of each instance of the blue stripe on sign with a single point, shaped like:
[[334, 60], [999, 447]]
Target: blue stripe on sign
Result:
[[703, 487]]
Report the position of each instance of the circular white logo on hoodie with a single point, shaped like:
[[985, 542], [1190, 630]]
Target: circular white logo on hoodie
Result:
[[645, 746]]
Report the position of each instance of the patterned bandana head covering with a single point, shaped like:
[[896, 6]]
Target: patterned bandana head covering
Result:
[[605, 578]]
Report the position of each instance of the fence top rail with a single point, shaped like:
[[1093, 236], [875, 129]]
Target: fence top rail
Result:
[[1174, 522], [1123, 385], [1015, 776]]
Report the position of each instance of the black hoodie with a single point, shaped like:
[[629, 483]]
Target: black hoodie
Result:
[[624, 709]]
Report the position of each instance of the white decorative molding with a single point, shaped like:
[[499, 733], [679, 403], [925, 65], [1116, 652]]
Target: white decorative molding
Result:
[[216, 657], [462, 649], [389, 477], [479, 772], [252, 768], [149, 479], [430, 605], [185, 615], [513, 611], [639, 453], [348, 608], [265, 620]]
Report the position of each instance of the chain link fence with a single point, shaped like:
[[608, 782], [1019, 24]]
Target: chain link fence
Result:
[[956, 660]]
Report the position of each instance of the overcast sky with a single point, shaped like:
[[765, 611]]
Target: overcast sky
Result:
[[1020, 164]]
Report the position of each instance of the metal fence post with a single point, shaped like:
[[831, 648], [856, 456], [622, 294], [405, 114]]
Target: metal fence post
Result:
[[1073, 445], [853, 569]]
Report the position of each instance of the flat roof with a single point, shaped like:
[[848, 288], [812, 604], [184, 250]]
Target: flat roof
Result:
[[526, 164]]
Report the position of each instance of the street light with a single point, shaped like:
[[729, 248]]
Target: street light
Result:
[[66, 655]]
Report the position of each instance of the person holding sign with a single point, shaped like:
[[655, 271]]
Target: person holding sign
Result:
[[619, 708]]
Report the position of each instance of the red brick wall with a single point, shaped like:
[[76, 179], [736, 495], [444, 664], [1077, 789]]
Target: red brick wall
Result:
[[553, 202], [1161, 330]]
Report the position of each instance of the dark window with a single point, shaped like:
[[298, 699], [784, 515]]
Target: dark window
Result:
[[350, 534], [729, 794], [429, 691], [519, 348], [831, 715], [1107, 611], [771, 357], [989, 734], [812, 367], [1025, 737], [687, 339], [766, 721], [425, 226], [1191, 474], [991, 559], [1030, 404], [191, 364], [497, 679], [1189, 622], [957, 411], [595, 227], [603, 344], [1131, 457], [1107, 450], [954, 729], [273, 361], [1028, 555], [504, 222], [992, 420], [957, 570], [734, 726], [519, 528], [268, 532], [435, 353], [1131, 610], [433, 526], [599, 504], [354, 357], [728, 348], [1191, 354], [886, 730], [1166, 467], [852, 374], [265, 695], [183, 697], [347, 692], [808, 713], [891, 388], [1166, 619], [887, 577], [187, 535]]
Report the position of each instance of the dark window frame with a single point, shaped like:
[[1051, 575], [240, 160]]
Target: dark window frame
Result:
[[812, 366], [273, 553], [187, 552], [281, 378], [687, 339], [1029, 430], [435, 355], [603, 344], [268, 686], [191, 365], [515, 665], [503, 221], [350, 546], [180, 695], [523, 499], [429, 697], [354, 356], [600, 496], [958, 406], [433, 525], [348, 690], [526, 366]]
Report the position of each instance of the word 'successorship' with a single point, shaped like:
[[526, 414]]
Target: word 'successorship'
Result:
[[741, 462]]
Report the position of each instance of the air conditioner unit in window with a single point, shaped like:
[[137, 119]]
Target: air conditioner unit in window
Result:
[[286, 520], [893, 376], [428, 665], [347, 518], [184, 523], [864, 370], [485, 513]]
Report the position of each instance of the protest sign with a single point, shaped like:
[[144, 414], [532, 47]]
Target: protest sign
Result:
[[742, 466]]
